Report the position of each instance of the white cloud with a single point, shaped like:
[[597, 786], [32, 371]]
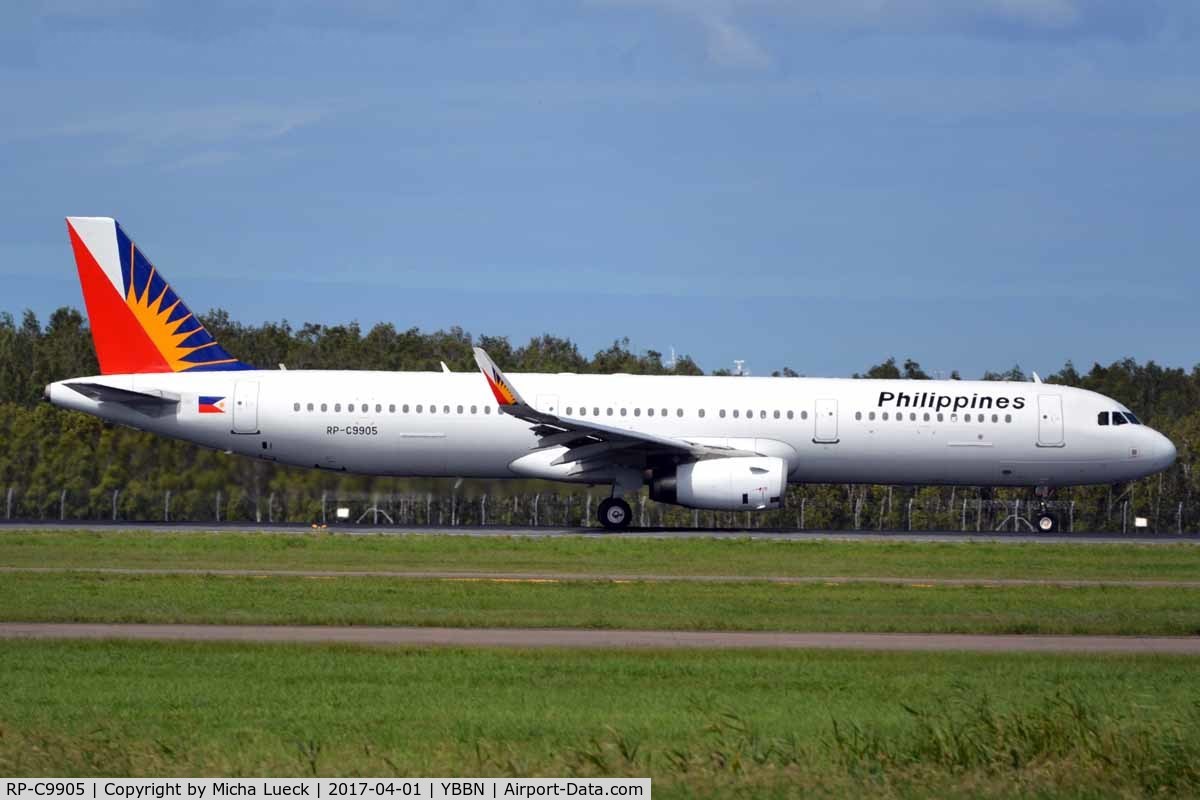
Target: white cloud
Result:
[[731, 27]]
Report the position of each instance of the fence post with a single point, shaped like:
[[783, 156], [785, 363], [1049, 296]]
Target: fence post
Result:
[[116, 493], [167, 506], [1071, 529], [271, 507], [1016, 516], [587, 515], [453, 510], [62, 505], [803, 502], [857, 512], [483, 509], [963, 525], [1179, 518], [218, 505], [536, 498], [1125, 516], [8, 504], [324, 496], [567, 513], [910, 502]]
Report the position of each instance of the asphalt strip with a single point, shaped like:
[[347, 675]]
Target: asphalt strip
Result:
[[565, 577], [605, 639]]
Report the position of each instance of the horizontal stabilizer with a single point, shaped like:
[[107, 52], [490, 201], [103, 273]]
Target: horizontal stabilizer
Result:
[[141, 401]]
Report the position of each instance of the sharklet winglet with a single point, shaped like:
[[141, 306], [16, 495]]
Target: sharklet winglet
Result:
[[502, 390]]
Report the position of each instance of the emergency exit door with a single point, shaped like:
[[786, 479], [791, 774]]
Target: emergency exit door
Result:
[[826, 421]]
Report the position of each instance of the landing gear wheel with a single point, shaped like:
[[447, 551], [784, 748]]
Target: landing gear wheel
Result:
[[1046, 522], [615, 514]]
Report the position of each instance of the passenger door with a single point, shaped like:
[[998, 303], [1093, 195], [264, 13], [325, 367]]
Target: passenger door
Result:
[[1050, 421], [245, 407], [825, 421]]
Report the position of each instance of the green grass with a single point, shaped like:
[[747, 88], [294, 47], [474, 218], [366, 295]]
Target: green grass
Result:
[[597, 555], [90, 597], [700, 723]]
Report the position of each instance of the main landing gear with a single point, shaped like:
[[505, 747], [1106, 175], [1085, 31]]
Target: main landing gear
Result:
[[1045, 521], [615, 514]]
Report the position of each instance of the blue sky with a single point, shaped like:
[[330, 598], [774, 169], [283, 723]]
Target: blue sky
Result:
[[819, 185]]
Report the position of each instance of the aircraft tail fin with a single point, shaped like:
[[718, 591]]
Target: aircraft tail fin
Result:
[[139, 324]]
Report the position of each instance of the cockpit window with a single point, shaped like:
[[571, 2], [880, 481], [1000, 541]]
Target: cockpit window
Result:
[[1119, 418], [1102, 418], [1129, 416]]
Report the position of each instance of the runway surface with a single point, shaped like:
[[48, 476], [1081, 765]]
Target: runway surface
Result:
[[568, 577], [574, 638], [637, 533]]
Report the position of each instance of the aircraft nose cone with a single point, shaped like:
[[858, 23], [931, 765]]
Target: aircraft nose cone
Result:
[[1165, 451]]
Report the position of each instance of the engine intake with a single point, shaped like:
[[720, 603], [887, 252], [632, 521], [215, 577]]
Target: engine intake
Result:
[[725, 484]]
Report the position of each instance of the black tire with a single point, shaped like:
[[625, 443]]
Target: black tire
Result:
[[1046, 523], [615, 514]]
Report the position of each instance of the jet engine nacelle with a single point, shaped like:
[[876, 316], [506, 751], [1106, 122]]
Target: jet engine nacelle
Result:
[[725, 484]]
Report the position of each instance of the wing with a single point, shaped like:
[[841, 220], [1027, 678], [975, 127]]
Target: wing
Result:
[[592, 444]]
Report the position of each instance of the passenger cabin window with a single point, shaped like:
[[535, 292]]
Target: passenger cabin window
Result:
[[310, 406], [776, 413], [789, 415], [858, 415], [700, 413]]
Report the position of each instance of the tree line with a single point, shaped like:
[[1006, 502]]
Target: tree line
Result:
[[60, 463]]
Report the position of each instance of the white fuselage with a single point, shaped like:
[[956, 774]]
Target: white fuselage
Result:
[[828, 430]]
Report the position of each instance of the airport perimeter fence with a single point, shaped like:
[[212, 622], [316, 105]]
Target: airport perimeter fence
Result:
[[850, 508]]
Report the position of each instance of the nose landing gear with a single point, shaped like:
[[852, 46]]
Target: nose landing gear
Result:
[[1046, 520]]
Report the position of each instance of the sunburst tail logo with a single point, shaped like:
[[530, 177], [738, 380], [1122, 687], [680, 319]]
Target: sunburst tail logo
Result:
[[138, 323]]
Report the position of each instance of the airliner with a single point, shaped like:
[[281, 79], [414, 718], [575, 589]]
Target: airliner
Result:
[[723, 443]]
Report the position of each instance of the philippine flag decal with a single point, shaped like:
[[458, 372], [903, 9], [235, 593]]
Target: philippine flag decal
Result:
[[212, 405]]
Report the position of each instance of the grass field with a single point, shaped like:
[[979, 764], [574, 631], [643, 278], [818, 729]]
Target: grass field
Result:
[[90, 597], [699, 723], [594, 555]]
